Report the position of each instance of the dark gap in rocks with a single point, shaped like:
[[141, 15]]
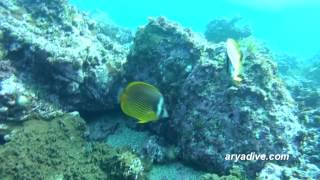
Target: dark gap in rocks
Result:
[[92, 115], [101, 124], [2, 141]]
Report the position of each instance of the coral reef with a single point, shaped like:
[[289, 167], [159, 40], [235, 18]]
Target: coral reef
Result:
[[55, 59], [221, 29], [102, 126], [15, 100], [236, 173], [301, 79], [163, 54], [157, 151], [209, 116], [19, 101], [118, 132], [121, 35], [68, 54], [118, 164], [289, 66], [313, 70], [257, 116], [57, 149], [276, 172], [305, 91], [173, 171]]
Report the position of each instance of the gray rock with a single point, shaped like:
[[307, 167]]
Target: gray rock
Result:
[[78, 64], [156, 150], [221, 29], [276, 172], [19, 101], [65, 52], [209, 115]]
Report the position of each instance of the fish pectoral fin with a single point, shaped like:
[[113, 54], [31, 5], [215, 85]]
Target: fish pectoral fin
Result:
[[151, 117], [142, 122], [147, 121]]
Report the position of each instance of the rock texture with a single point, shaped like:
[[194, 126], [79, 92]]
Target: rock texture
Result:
[[54, 59], [301, 81], [20, 101], [276, 172], [68, 54], [209, 115], [57, 149], [219, 30]]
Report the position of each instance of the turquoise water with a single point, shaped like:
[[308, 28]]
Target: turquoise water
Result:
[[286, 26], [83, 99]]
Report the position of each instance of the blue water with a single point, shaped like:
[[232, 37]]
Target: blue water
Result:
[[286, 26]]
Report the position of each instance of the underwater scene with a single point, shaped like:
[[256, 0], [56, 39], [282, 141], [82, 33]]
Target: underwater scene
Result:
[[159, 90]]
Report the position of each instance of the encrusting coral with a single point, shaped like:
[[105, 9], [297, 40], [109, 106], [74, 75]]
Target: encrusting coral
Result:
[[57, 149]]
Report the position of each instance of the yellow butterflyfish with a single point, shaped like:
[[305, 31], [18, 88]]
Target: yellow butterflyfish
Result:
[[143, 102], [234, 59]]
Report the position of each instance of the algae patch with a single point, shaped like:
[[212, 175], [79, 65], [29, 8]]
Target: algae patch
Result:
[[57, 149]]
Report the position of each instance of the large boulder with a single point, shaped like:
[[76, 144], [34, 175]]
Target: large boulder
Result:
[[216, 118], [163, 54], [220, 29], [67, 54]]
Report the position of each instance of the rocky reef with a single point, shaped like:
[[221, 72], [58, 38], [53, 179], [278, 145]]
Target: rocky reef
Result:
[[20, 101], [314, 69], [68, 54], [276, 172], [209, 115], [55, 59], [219, 30], [235, 174], [301, 81], [49, 53]]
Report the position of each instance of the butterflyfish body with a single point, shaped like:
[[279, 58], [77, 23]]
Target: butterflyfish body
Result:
[[234, 59], [143, 102]]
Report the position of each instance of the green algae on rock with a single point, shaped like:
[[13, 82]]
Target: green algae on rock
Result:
[[20, 100], [118, 163], [57, 149], [236, 173]]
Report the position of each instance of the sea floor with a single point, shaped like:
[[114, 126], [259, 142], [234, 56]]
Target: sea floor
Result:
[[127, 137]]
